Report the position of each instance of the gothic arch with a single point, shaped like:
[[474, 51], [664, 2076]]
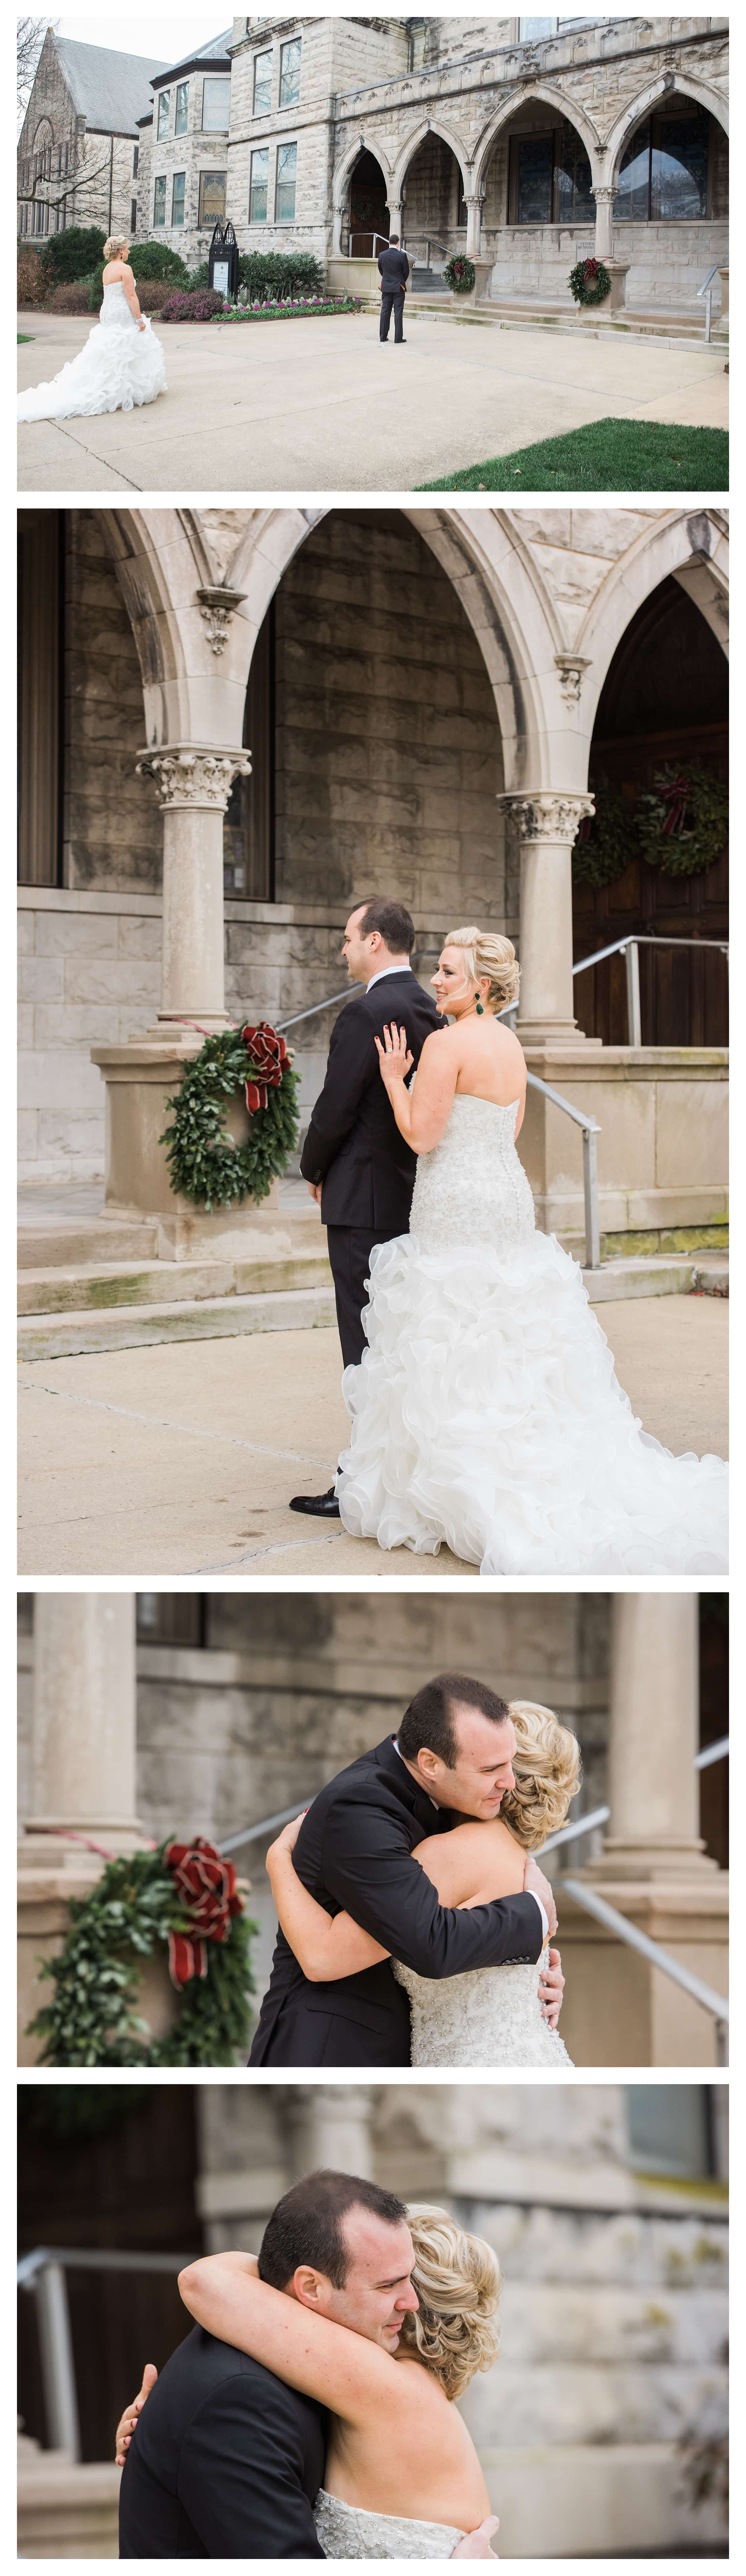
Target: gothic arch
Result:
[[691, 544], [701, 91], [430, 125], [547, 96], [344, 170]]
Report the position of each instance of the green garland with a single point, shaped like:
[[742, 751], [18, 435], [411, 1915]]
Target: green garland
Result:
[[589, 281], [128, 1916], [460, 274], [700, 812], [204, 1164], [610, 844]]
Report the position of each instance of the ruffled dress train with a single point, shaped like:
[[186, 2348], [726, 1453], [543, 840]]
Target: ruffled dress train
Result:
[[119, 368], [486, 1415]]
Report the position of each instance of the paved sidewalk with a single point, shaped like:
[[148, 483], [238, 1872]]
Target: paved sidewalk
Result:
[[180, 1459], [320, 406]]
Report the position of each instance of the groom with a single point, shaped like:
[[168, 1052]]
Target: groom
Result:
[[355, 1161], [451, 1758], [226, 2459]]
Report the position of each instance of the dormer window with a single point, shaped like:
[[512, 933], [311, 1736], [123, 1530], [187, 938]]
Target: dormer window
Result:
[[216, 106]]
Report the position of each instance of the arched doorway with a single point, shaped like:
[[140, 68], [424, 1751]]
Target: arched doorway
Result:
[[369, 211], [671, 171], [433, 205], [538, 210], [664, 705]]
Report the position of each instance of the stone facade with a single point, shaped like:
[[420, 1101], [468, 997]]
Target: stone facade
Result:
[[77, 164], [437, 102]]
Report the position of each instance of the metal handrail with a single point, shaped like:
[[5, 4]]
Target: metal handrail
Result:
[[43, 2272], [365, 236], [617, 1923], [628, 949], [706, 290], [581, 1118], [712, 1753]]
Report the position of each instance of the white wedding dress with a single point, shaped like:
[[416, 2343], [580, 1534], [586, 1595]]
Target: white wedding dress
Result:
[[345, 2531], [120, 366], [489, 2017], [486, 1414]]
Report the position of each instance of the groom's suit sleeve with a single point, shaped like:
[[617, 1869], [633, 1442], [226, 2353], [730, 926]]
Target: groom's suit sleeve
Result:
[[240, 2476], [369, 1870], [352, 1060]]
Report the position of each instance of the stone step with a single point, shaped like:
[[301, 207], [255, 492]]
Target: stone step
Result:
[[42, 1337], [636, 328], [43, 1247], [107, 1286], [657, 1275]]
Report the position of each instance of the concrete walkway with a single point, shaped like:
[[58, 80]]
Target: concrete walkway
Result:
[[180, 1459], [319, 406]]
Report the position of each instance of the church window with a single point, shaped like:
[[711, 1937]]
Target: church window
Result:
[[258, 191], [663, 174], [287, 158], [177, 197], [216, 102], [212, 184], [181, 118], [159, 202], [262, 84], [290, 73], [164, 103]]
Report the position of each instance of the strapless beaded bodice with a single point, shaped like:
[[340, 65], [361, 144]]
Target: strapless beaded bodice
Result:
[[489, 2017], [472, 1188], [115, 312], [345, 2531]]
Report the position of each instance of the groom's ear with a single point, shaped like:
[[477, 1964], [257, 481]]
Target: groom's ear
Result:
[[309, 2286]]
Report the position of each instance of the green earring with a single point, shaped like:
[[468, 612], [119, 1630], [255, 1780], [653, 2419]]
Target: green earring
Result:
[[480, 1008]]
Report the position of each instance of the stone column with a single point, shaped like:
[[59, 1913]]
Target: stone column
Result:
[[83, 1740], [653, 1869], [604, 242], [193, 786], [396, 215], [331, 2125], [336, 232], [83, 1779], [473, 226], [546, 823]]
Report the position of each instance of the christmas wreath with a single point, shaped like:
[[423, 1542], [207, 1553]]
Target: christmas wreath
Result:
[[606, 841], [460, 275], [185, 1897], [204, 1163], [683, 823], [589, 281]]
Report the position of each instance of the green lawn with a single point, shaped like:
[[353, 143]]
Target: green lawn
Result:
[[21, 336], [604, 456]]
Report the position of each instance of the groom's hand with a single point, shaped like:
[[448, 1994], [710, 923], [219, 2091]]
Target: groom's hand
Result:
[[314, 1191], [128, 2420], [536, 1885], [551, 1989], [477, 2543]]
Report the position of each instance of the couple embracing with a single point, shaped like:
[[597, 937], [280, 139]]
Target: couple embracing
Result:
[[414, 1920], [485, 1412], [312, 2412]]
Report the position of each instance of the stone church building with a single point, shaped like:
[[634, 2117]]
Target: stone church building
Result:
[[235, 723], [525, 142], [79, 143]]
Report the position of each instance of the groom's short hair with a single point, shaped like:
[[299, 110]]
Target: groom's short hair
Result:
[[429, 1721], [394, 923], [307, 2225]]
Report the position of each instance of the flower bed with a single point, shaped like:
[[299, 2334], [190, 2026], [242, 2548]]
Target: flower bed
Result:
[[291, 306]]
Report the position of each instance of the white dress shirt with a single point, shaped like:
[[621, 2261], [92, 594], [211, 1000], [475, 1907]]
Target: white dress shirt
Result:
[[388, 970]]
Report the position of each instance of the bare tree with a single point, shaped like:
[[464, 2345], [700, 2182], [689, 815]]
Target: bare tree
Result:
[[30, 38]]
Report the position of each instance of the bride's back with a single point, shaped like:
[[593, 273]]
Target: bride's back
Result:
[[475, 1864], [436, 2478], [491, 1063]]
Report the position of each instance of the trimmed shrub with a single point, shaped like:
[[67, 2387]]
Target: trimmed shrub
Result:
[[151, 294], [271, 274], [199, 307], [68, 257], [32, 284], [71, 298], [157, 259], [200, 276]]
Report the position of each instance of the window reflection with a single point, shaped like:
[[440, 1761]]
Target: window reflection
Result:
[[663, 173]]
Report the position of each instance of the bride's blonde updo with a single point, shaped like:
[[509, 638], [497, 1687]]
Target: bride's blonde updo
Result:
[[487, 953], [547, 1773], [457, 2280], [115, 249]]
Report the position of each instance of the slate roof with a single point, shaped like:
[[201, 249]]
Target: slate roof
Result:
[[110, 90], [215, 50]]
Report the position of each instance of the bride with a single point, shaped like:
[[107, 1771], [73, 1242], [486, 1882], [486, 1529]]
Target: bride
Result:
[[486, 1415], [122, 363], [402, 2477], [490, 2016]]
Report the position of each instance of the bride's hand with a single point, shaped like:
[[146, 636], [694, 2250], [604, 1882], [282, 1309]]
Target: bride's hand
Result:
[[477, 2543], [394, 1056], [128, 2420], [286, 1841]]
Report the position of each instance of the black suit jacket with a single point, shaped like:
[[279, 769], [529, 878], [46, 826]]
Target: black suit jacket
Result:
[[394, 268], [354, 1852], [353, 1144], [225, 2461]]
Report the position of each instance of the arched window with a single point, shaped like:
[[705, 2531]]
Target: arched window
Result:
[[664, 172]]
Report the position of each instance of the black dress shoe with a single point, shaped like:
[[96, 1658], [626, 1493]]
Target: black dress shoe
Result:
[[324, 1507]]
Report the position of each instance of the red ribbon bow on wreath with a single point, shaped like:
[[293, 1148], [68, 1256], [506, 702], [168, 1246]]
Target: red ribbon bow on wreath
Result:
[[675, 792], [207, 1886], [269, 1058], [590, 268]]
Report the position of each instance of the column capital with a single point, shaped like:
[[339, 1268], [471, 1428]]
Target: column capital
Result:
[[602, 193], [546, 814], [216, 607], [189, 775]]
